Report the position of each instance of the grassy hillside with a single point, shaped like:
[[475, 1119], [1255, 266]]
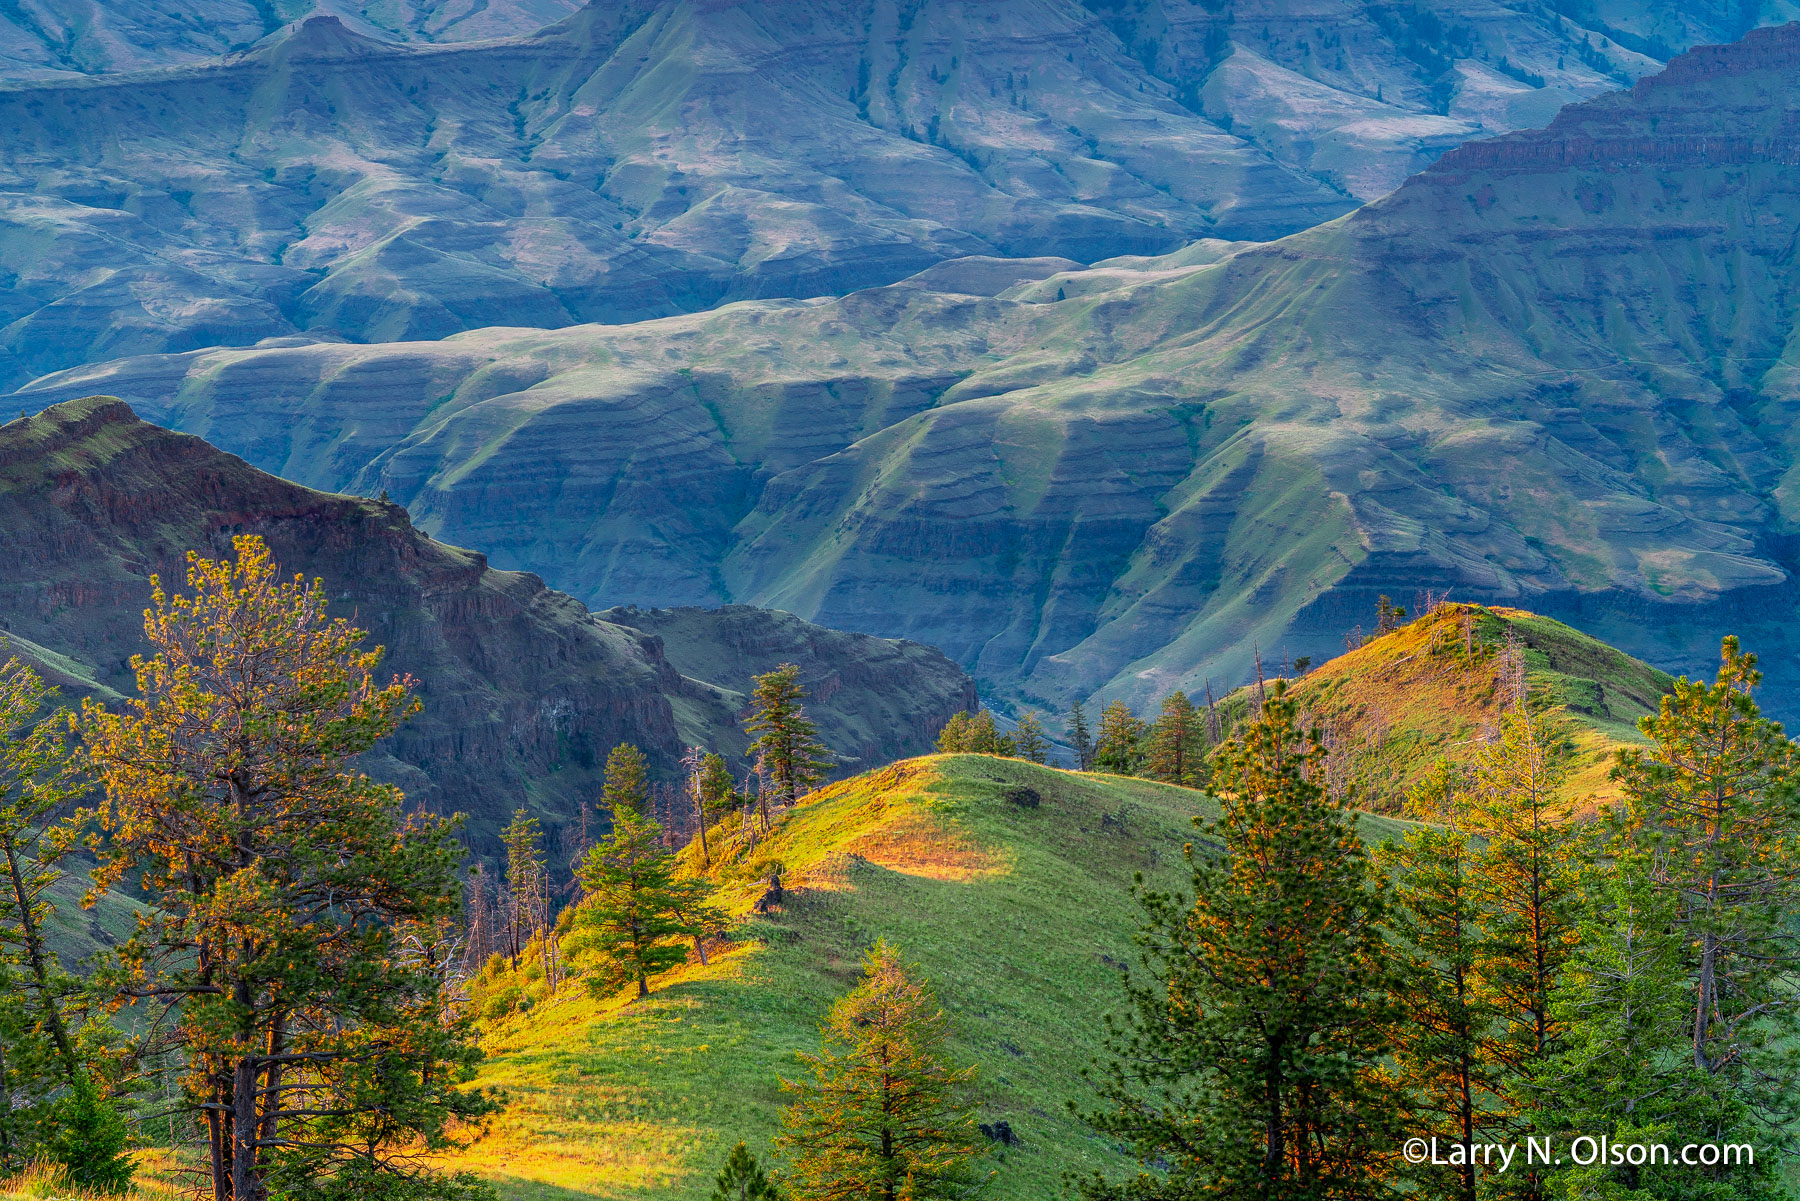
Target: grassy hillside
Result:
[[1433, 689], [1019, 912]]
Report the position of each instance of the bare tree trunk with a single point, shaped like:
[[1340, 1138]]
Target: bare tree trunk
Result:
[[244, 1183]]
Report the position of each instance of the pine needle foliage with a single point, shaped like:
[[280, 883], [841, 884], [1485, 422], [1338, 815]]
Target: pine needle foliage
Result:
[[1712, 811], [1176, 752], [627, 781], [1118, 747], [787, 743], [1525, 876], [1248, 1063], [50, 1102], [1081, 739], [625, 931], [1435, 931], [882, 1115], [1029, 739], [278, 964], [742, 1179]]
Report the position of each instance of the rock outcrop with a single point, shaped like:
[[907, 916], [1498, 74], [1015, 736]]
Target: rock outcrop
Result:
[[525, 691]]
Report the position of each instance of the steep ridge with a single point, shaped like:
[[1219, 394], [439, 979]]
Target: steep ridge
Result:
[[85, 37], [525, 691], [651, 157], [1554, 370], [963, 862], [634, 160]]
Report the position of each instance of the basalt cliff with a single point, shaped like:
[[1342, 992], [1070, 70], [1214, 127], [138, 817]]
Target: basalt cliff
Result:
[[524, 690]]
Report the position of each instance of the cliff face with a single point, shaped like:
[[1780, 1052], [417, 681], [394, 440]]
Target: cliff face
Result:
[[875, 700], [525, 691]]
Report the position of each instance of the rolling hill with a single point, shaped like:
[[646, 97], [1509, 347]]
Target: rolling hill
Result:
[[1007, 882], [525, 690], [1435, 688], [1553, 370]]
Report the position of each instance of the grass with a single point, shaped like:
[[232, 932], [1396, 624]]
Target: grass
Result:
[[44, 1182], [1396, 704], [1021, 915]]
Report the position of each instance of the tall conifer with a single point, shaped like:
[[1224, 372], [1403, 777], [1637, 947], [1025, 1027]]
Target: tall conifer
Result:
[[1248, 1065], [627, 781], [1081, 739], [883, 1115], [1118, 748], [787, 743], [1029, 740], [1713, 807], [1176, 750], [630, 927], [320, 1053], [1435, 919], [1525, 878]]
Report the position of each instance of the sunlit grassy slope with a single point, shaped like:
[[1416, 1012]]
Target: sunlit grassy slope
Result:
[[1021, 914], [1431, 689]]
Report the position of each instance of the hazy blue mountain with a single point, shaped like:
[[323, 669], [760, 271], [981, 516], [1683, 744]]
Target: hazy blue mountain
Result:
[[641, 158], [40, 38], [1553, 369]]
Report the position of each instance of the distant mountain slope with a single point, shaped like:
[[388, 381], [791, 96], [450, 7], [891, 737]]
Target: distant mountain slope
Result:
[[1019, 910], [1554, 370], [525, 691], [634, 160], [648, 157], [41, 38]]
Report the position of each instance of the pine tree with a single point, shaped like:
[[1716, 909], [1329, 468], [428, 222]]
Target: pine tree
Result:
[[1621, 999], [786, 741], [883, 1115], [1117, 749], [1080, 738], [1029, 738], [1525, 876], [527, 884], [285, 887], [717, 793], [1248, 1064], [1176, 751], [1435, 923], [1714, 807], [954, 738], [627, 782], [742, 1179], [49, 1102], [627, 927]]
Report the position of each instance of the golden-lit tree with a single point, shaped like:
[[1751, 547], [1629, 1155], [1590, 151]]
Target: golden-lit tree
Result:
[[1249, 1064], [883, 1114], [276, 963]]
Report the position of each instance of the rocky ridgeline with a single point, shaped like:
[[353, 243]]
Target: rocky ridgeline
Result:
[[525, 691]]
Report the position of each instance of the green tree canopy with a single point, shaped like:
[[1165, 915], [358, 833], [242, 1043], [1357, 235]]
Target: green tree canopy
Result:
[[787, 743], [288, 886], [883, 1114], [1118, 746], [1176, 752], [1249, 1062], [627, 782], [636, 911]]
